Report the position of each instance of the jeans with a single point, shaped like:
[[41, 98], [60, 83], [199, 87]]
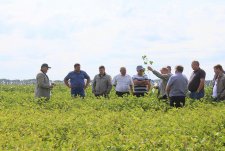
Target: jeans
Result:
[[77, 92], [195, 95]]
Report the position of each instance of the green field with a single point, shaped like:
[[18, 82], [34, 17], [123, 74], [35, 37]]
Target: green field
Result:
[[127, 123]]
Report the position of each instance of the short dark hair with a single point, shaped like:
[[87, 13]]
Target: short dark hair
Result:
[[169, 67], [76, 64], [179, 68], [218, 66], [101, 67], [196, 62]]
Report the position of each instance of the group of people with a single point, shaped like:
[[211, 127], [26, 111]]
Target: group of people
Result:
[[172, 86]]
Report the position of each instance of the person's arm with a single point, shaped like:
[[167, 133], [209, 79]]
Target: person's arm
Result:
[[86, 76], [40, 81], [168, 90], [143, 82], [87, 83], [222, 94], [159, 75], [114, 81], [109, 83], [168, 86], [93, 85], [131, 86], [202, 81], [66, 81], [148, 84], [201, 85]]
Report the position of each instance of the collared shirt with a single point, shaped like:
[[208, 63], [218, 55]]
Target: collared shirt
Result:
[[102, 84], [77, 78], [178, 85], [122, 83], [163, 82], [140, 88]]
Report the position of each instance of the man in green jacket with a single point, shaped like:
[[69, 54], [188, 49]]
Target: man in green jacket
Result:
[[102, 83], [43, 86], [164, 76]]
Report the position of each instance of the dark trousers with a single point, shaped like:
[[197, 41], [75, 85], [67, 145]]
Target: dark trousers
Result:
[[101, 95], [121, 94], [163, 97], [77, 92], [139, 94], [177, 101]]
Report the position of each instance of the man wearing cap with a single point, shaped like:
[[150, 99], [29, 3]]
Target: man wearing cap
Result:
[[43, 86], [141, 82], [164, 76], [75, 81]]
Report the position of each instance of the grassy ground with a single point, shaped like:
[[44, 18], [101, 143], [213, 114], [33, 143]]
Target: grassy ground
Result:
[[128, 123]]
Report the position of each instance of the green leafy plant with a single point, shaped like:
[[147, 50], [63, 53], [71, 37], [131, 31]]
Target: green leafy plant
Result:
[[146, 60], [129, 123]]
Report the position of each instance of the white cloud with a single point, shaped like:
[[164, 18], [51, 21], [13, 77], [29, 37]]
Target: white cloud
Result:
[[114, 33]]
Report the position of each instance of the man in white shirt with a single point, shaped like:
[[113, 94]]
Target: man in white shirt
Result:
[[123, 83]]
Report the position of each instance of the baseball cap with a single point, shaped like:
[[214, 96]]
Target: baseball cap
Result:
[[45, 65], [140, 68]]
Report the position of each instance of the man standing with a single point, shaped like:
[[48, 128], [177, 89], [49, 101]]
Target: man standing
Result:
[[219, 84], [123, 83], [197, 81], [102, 83], [43, 86], [75, 81], [177, 87], [141, 82], [169, 70], [164, 76]]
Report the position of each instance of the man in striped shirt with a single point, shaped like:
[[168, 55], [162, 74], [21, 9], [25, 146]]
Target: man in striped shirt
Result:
[[141, 82]]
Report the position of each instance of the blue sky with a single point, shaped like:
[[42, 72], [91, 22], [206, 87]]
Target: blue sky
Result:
[[113, 33]]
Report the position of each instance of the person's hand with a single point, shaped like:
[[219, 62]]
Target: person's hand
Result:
[[85, 87], [150, 68], [156, 87]]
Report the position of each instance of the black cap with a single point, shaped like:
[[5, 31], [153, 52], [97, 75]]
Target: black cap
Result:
[[45, 65]]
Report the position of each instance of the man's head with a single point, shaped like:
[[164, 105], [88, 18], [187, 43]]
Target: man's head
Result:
[[140, 70], [195, 65], [45, 67], [77, 67], [179, 69], [169, 69], [164, 70], [123, 71], [218, 69], [101, 70]]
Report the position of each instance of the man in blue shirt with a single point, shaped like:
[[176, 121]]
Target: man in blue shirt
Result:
[[75, 81]]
